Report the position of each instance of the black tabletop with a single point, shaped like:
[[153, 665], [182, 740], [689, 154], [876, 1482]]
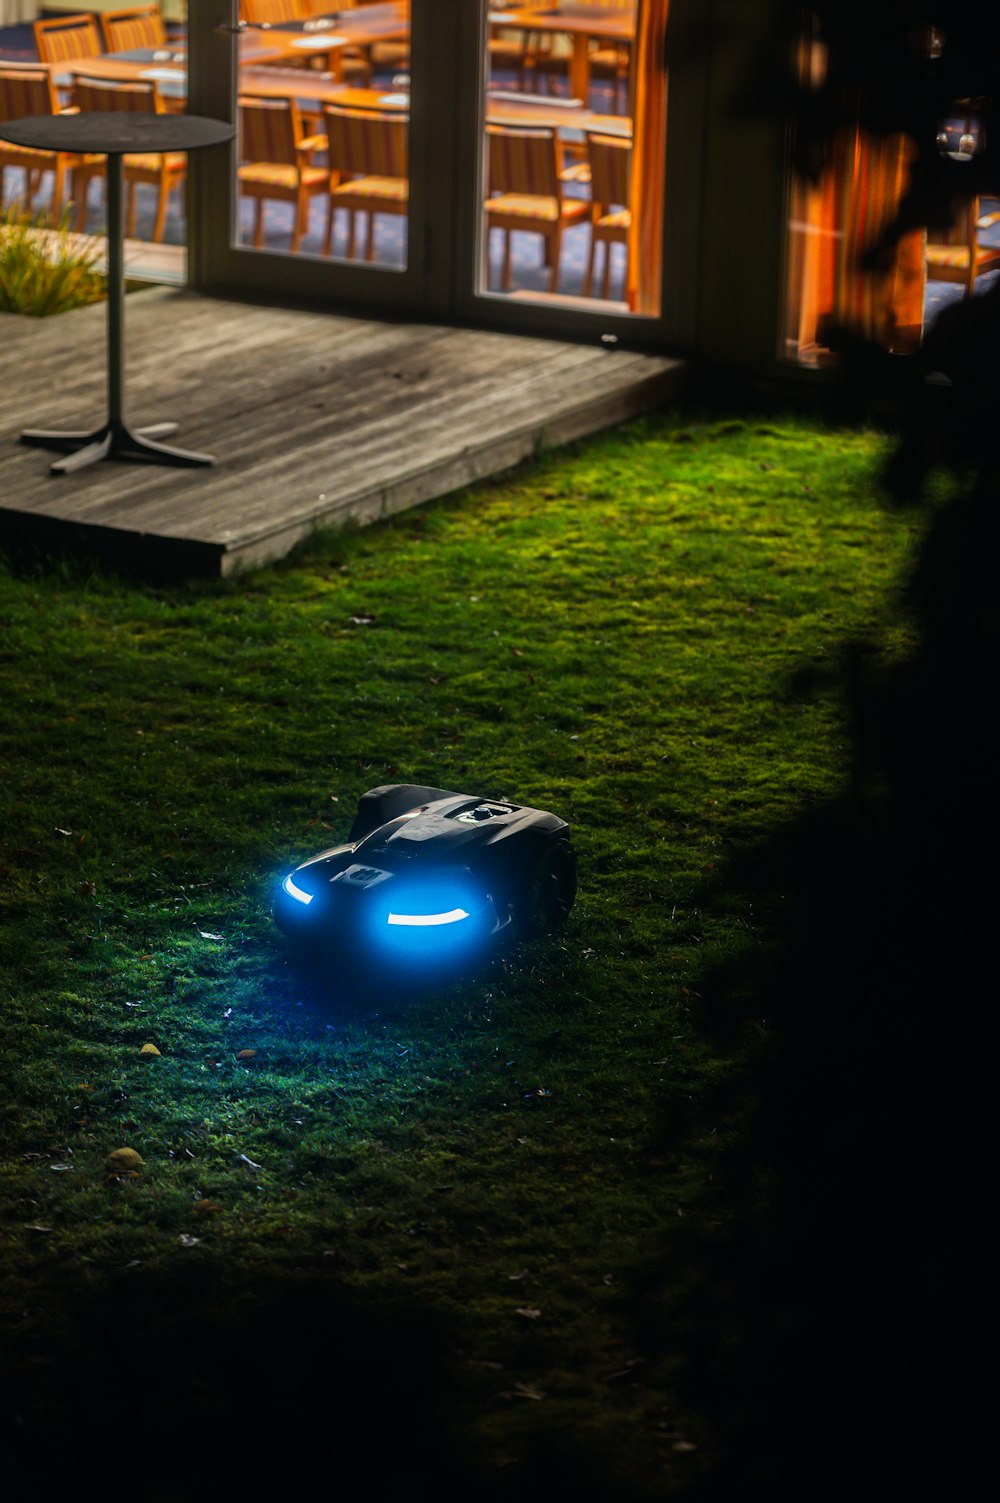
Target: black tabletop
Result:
[[115, 131]]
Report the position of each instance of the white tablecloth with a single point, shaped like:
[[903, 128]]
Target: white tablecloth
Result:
[[13, 11]]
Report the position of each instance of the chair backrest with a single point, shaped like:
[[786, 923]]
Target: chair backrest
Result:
[[963, 230], [273, 12], [365, 143], [26, 90], [523, 161], [270, 130], [127, 98], [67, 37], [137, 26], [610, 160]]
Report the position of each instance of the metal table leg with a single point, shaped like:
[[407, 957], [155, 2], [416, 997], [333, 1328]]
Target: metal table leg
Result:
[[115, 440]]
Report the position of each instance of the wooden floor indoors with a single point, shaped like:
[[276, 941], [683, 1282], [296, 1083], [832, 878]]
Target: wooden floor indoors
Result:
[[313, 418]]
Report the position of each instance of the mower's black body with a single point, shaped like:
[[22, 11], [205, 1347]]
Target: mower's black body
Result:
[[428, 873]]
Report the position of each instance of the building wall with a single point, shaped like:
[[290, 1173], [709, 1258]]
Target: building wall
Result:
[[741, 238]]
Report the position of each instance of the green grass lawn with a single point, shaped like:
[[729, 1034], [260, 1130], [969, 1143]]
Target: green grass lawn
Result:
[[610, 634]]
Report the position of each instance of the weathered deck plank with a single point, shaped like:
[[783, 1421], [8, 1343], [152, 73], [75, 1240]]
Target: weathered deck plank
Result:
[[313, 418]]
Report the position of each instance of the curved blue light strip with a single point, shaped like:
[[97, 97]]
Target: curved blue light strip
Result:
[[296, 892], [426, 919]]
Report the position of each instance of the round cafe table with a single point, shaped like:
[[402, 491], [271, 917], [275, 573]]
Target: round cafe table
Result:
[[114, 134]]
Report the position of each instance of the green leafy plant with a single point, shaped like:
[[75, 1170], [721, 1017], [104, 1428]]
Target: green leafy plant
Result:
[[45, 270]]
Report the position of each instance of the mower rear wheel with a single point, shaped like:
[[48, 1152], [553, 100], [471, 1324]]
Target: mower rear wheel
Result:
[[550, 891]]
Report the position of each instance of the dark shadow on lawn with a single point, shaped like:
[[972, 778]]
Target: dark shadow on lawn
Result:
[[166, 1386], [189, 1384], [827, 1300]]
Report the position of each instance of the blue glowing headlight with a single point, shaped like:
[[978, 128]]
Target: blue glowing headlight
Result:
[[296, 892], [427, 920]]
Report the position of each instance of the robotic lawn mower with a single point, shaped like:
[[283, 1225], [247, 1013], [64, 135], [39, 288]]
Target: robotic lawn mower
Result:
[[429, 875]]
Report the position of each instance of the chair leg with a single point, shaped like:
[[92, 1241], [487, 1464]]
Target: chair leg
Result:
[[58, 187], [505, 277], [258, 223], [554, 253], [352, 233], [300, 204], [328, 237], [163, 197], [588, 280], [80, 190], [371, 236]]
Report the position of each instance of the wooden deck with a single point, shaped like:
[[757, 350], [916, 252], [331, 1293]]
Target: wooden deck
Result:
[[313, 418]]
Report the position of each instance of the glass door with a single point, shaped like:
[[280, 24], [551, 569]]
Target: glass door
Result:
[[328, 192], [467, 160]]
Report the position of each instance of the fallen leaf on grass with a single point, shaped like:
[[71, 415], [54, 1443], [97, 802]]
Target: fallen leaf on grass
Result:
[[242, 1158], [88, 889], [525, 1391], [523, 1273], [36, 1227], [186, 1240], [361, 620], [247, 1054], [207, 934], [124, 1158], [149, 1051], [528, 1312], [207, 1208]]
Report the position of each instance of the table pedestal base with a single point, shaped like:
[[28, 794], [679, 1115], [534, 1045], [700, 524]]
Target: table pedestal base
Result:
[[114, 441]]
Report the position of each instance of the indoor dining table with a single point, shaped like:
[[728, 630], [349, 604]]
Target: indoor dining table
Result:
[[581, 23], [114, 134], [325, 37]]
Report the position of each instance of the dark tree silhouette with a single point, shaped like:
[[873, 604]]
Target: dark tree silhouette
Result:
[[829, 1322]]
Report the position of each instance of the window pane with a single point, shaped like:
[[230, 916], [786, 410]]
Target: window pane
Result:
[[575, 97], [324, 124]]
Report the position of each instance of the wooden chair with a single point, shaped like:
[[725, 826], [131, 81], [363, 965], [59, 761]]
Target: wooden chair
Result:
[[611, 218], [272, 12], [66, 38], [381, 56], [164, 171], [608, 62], [526, 192], [27, 89], [137, 26], [508, 48], [275, 161], [368, 170], [961, 257]]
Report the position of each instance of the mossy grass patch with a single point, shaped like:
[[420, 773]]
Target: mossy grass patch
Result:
[[612, 633]]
